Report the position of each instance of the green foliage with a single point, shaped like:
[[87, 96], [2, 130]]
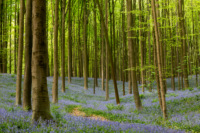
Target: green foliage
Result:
[[154, 100], [56, 112], [142, 96], [190, 88], [70, 108], [171, 95], [126, 99], [12, 94], [114, 107]]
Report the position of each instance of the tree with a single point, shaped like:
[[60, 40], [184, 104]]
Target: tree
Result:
[[154, 13], [95, 46], [1, 31], [107, 60], [63, 44], [141, 45], [183, 45], [41, 105], [105, 31], [28, 57], [20, 54], [70, 44], [55, 78], [124, 45], [102, 54], [138, 102], [85, 63]]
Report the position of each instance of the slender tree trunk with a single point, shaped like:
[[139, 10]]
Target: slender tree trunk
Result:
[[107, 60], [63, 44], [55, 78], [79, 46], [130, 23], [52, 49], [124, 46], [164, 109], [10, 38], [95, 46], [156, 70], [20, 54], [70, 44], [15, 47], [141, 46], [102, 53], [41, 105], [109, 53], [47, 25], [5, 38], [184, 47], [114, 41], [149, 45], [1, 32], [85, 67], [28, 57]]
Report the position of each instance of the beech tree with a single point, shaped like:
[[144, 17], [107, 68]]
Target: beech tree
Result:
[[55, 78], [41, 105], [28, 57], [20, 54]]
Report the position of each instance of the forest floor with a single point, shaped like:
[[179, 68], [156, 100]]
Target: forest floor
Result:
[[80, 110]]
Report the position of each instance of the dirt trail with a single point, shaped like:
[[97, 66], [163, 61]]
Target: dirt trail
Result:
[[77, 112]]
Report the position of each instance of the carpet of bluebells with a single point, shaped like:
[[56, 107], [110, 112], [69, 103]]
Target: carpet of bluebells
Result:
[[183, 107]]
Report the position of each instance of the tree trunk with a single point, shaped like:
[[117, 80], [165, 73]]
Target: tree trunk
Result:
[[63, 44], [95, 46], [15, 47], [107, 60], [20, 54], [141, 46], [5, 38], [1, 32], [85, 67], [164, 110], [70, 44], [109, 53], [138, 102], [124, 46], [28, 57], [184, 47], [41, 105], [10, 68], [102, 54], [55, 78]]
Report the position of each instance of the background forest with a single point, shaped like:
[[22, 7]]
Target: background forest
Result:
[[99, 66]]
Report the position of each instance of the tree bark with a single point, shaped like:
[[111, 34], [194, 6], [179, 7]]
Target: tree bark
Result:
[[184, 47], [141, 46], [63, 44], [124, 46], [164, 109], [28, 57], [95, 46], [85, 64], [70, 44], [41, 105], [55, 78], [20, 54], [130, 23]]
